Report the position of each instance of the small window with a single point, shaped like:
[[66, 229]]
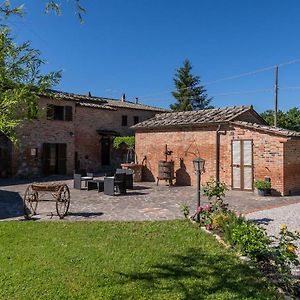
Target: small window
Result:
[[61, 113], [68, 113], [124, 121], [136, 120]]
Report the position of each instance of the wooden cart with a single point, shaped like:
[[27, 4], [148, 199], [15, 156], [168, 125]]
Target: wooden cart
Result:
[[36, 192]]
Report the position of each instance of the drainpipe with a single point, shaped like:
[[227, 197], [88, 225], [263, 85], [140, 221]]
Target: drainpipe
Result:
[[218, 154]]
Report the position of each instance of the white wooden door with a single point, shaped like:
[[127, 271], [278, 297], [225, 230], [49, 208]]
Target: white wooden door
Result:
[[242, 164]]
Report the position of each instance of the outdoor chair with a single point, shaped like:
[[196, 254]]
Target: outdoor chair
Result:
[[129, 177], [115, 185], [82, 176]]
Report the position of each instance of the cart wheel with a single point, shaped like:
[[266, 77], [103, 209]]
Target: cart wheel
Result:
[[30, 202], [63, 201]]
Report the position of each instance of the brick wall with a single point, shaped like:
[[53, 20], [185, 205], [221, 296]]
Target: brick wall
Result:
[[188, 143], [80, 135], [292, 167], [267, 155], [33, 134], [88, 141]]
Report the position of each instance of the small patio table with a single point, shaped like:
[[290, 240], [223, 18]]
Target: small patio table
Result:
[[95, 184]]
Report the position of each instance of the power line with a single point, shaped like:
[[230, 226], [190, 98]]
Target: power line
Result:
[[266, 90], [290, 62]]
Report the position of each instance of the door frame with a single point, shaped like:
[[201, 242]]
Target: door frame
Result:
[[242, 165]]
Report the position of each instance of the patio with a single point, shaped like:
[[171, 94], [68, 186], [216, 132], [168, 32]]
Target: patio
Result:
[[146, 202]]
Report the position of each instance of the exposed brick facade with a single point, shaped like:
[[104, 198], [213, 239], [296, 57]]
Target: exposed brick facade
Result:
[[273, 156], [80, 135]]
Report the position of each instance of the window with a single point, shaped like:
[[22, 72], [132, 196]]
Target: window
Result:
[[124, 121], [57, 112], [136, 120]]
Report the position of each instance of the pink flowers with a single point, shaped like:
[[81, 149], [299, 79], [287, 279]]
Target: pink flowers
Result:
[[208, 226], [207, 207], [200, 209]]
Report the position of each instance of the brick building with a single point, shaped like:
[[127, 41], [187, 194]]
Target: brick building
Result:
[[236, 143], [75, 131]]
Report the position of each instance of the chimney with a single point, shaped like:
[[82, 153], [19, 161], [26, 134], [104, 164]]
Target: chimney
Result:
[[123, 99], [136, 100], [89, 94]]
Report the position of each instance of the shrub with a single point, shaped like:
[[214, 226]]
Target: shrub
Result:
[[127, 140], [214, 188], [262, 184], [185, 209], [250, 240], [283, 254]]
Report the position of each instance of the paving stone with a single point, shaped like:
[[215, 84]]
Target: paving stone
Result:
[[146, 202]]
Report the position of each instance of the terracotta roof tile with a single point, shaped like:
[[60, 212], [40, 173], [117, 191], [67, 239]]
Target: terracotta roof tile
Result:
[[101, 102], [133, 105], [269, 129], [194, 118]]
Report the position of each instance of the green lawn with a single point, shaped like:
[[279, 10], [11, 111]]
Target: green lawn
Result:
[[117, 260]]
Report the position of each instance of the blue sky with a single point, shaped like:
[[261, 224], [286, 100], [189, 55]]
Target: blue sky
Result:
[[134, 47]]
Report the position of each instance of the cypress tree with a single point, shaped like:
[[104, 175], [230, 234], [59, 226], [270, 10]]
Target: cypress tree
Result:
[[189, 93]]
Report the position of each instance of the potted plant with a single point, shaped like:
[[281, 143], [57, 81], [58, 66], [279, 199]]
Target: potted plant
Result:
[[263, 187]]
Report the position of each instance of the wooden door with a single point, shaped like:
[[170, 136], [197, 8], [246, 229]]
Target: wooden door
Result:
[[242, 164], [105, 151], [54, 159], [61, 158]]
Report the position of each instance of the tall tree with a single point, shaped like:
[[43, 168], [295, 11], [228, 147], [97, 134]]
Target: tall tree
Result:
[[288, 120], [189, 93], [20, 83]]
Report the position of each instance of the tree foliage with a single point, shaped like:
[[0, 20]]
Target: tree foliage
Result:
[[20, 83], [129, 141], [189, 93], [7, 9], [288, 120]]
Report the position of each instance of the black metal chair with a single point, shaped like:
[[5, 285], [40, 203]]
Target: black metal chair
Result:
[[115, 185], [80, 176], [129, 177]]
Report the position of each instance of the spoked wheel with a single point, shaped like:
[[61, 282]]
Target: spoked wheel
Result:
[[63, 201], [30, 202]]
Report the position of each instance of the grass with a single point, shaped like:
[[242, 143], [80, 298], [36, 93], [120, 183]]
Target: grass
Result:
[[116, 260]]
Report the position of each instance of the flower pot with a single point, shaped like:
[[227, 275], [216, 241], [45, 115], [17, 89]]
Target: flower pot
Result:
[[263, 192]]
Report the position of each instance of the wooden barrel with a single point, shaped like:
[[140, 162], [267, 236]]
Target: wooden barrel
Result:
[[166, 170]]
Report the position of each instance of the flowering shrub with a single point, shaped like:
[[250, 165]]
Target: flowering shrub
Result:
[[274, 255], [283, 254], [214, 188]]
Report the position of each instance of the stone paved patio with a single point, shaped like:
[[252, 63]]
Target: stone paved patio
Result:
[[145, 202]]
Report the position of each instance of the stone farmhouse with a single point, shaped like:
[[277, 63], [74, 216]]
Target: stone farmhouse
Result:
[[75, 132], [236, 143]]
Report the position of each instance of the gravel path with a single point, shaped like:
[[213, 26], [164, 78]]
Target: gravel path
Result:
[[271, 219]]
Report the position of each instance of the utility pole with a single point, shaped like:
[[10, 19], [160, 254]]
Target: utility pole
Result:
[[276, 97]]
